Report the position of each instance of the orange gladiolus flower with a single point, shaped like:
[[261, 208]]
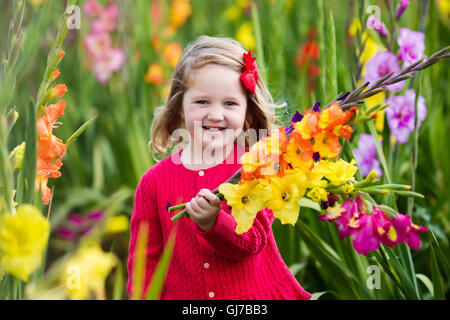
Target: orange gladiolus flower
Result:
[[179, 12], [327, 144], [56, 74], [58, 91], [154, 74], [333, 116], [172, 53], [265, 157], [50, 149], [299, 151], [309, 125]]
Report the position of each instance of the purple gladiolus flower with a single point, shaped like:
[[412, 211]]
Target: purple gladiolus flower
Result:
[[412, 46], [400, 114], [377, 25], [297, 117], [316, 107], [316, 156], [365, 155], [382, 63], [401, 8]]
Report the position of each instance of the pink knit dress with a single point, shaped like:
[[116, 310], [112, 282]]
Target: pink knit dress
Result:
[[213, 264]]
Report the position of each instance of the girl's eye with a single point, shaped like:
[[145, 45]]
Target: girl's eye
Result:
[[201, 102], [230, 103]]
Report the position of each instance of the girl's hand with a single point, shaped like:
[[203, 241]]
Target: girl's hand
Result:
[[203, 209]]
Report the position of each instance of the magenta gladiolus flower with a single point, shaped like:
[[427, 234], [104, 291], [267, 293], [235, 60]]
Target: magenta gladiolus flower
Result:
[[382, 63], [377, 25], [370, 229], [364, 237], [401, 8], [385, 229], [400, 114], [408, 231], [365, 155], [412, 46]]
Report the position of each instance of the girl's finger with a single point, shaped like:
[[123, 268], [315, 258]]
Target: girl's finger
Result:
[[195, 207], [212, 198], [202, 202]]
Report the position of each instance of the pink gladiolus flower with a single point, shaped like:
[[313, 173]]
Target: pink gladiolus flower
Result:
[[412, 46], [111, 61], [401, 8], [107, 20], [365, 155], [377, 25], [400, 114], [91, 8], [97, 44], [382, 63]]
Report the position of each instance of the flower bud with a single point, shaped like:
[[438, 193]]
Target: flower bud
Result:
[[16, 155]]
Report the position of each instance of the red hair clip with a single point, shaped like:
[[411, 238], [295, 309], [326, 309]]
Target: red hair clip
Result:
[[250, 76]]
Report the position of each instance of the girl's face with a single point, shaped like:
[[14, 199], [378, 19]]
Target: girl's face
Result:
[[214, 106]]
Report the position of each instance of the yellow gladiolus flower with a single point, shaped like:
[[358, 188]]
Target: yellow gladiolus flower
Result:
[[23, 238], [86, 271], [117, 224], [245, 35], [232, 13], [246, 199], [284, 196], [341, 171], [317, 194]]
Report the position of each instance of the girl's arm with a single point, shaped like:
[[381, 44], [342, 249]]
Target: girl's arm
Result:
[[236, 247], [145, 210]]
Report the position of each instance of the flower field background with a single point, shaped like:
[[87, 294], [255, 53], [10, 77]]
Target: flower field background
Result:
[[89, 79]]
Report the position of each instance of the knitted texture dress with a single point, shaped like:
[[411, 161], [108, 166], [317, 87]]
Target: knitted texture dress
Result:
[[212, 264]]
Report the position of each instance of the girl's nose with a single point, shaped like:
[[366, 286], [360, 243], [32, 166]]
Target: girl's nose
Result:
[[215, 114]]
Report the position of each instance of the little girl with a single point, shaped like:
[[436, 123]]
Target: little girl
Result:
[[215, 95]]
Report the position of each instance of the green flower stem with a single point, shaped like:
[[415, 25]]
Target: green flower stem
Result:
[[5, 172], [53, 59]]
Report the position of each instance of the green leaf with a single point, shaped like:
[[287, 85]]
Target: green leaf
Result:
[[329, 259], [306, 202], [426, 281], [317, 295], [296, 267], [258, 40], [161, 269], [27, 175], [438, 282], [331, 59], [118, 283], [80, 130]]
